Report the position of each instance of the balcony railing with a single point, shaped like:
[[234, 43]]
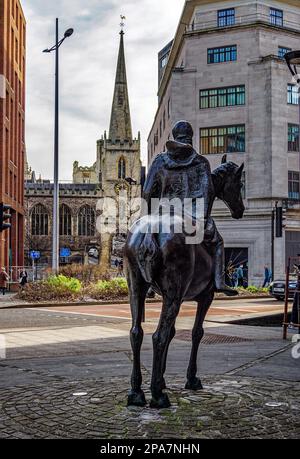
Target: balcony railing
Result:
[[257, 18]]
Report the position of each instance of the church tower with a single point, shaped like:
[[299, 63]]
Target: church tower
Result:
[[120, 121], [118, 154], [118, 163]]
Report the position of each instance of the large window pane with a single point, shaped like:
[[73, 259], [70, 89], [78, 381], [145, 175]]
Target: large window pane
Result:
[[294, 185], [293, 137], [282, 51], [226, 17], [292, 94], [222, 97], [224, 139], [86, 221], [276, 17], [224, 54], [39, 221], [65, 221]]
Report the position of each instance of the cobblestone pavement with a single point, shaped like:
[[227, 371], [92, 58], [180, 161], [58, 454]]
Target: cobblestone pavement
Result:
[[228, 407]]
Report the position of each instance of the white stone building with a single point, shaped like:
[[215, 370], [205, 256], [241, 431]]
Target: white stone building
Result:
[[225, 73]]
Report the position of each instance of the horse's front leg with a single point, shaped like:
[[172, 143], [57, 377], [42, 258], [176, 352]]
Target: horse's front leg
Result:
[[161, 340], [194, 383], [138, 290]]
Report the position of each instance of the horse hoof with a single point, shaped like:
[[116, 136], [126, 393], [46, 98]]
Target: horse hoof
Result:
[[136, 398], [161, 402], [194, 384]]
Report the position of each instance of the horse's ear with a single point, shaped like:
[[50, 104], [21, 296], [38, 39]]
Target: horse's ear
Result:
[[224, 159], [240, 170]]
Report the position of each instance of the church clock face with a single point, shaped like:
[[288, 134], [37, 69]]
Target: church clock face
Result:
[[121, 186]]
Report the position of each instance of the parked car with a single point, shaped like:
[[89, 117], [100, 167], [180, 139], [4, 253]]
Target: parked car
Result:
[[277, 289], [93, 252]]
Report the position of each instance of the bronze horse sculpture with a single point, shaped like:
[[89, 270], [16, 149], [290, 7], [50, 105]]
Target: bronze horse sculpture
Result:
[[178, 272]]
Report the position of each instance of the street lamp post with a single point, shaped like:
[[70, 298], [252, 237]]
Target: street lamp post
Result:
[[55, 225]]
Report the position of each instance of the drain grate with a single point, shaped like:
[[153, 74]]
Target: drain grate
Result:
[[210, 338]]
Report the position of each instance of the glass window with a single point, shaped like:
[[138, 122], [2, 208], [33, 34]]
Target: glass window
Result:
[[282, 51], [292, 94], [65, 221], [39, 221], [219, 55], [293, 137], [276, 17], [226, 17], [122, 168], [222, 97], [294, 185], [86, 221], [164, 61], [224, 139]]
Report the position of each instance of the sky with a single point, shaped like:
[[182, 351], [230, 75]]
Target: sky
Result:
[[87, 72]]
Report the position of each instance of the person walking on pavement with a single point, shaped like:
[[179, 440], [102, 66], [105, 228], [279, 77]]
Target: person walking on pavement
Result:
[[240, 276], [296, 303], [268, 276], [23, 279], [235, 279], [4, 278]]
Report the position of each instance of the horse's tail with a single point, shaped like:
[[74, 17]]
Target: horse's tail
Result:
[[148, 256]]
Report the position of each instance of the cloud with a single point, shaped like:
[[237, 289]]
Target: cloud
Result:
[[87, 72]]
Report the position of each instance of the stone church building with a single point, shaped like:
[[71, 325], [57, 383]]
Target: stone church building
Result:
[[118, 166]]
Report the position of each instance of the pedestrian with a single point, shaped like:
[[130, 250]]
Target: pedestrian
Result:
[[23, 279], [268, 275], [295, 318], [120, 269], [240, 276], [235, 279], [4, 278]]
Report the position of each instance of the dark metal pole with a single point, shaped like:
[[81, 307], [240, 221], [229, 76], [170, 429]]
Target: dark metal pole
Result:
[[286, 300], [273, 243], [55, 242]]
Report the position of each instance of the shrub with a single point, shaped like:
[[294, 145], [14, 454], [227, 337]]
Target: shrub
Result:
[[253, 289], [54, 288], [108, 289], [64, 283], [84, 273]]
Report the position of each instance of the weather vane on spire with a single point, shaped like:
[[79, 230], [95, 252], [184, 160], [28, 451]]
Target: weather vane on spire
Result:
[[123, 19]]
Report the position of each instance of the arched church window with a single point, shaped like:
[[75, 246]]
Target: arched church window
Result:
[[86, 221], [122, 168], [39, 221], [65, 221]]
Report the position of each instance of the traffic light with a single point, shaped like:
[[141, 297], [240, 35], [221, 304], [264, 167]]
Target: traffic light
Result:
[[279, 221], [4, 216]]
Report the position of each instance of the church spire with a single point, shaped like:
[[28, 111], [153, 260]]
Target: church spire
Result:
[[120, 121]]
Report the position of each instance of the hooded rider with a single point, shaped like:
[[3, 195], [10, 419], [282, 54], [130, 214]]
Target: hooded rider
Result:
[[182, 173]]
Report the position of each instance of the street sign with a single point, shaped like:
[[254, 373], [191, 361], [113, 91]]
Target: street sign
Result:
[[65, 252], [35, 255]]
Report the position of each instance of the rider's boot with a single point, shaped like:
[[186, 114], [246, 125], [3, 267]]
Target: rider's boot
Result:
[[219, 271]]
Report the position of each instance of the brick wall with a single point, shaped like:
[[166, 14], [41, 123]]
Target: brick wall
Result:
[[12, 126]]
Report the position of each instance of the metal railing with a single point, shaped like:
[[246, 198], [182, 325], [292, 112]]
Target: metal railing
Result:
[[243, 20], [33, 273]]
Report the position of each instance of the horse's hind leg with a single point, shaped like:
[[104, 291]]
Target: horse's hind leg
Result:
[[138, 289], [161, 340], [194, 383], [172, 334]]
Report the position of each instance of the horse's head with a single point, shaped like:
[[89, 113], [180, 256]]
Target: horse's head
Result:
[[228, 185]]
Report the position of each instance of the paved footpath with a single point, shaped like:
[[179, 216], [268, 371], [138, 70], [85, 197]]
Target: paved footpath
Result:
[[67, 372]]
